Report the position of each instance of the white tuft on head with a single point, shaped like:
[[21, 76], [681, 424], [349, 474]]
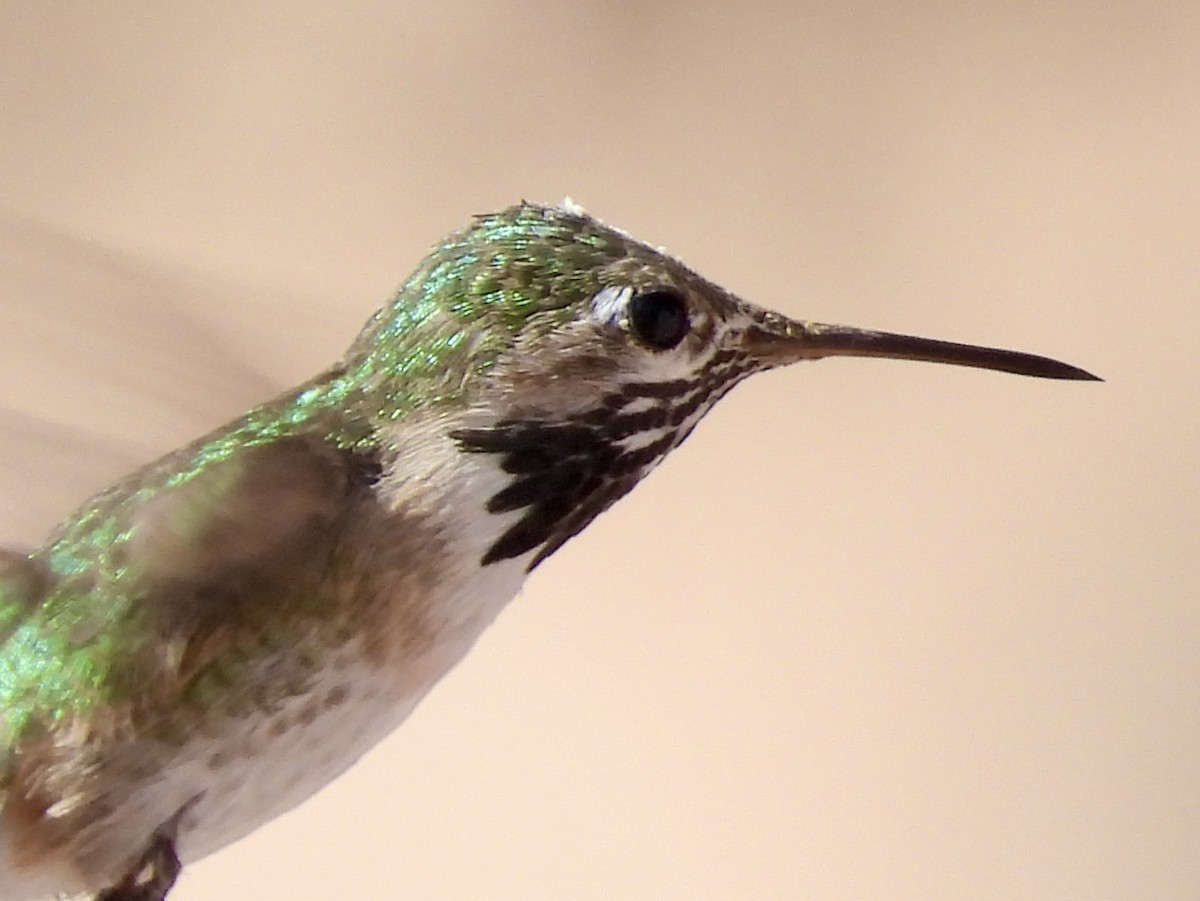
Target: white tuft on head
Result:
[[572, 207], [567, 204]]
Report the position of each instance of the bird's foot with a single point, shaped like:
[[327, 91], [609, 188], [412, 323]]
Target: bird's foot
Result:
[[156, 870], [151, 877]]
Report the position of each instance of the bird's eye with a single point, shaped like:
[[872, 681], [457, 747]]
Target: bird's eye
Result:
[[659, 317]]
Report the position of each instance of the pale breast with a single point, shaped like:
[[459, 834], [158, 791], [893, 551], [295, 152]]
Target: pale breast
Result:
[[423, 628], [417, 602]]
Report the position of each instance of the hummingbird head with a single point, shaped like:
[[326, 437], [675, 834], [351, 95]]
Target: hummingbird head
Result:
[[579, 357]]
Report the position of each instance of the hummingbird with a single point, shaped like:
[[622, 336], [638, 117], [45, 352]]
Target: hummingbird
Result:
[[206, 643]]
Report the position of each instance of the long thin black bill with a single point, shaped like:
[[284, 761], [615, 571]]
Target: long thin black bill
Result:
[[780, 342]]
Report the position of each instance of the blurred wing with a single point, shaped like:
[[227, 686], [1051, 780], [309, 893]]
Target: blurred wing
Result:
[[106, 361], [46, 468]]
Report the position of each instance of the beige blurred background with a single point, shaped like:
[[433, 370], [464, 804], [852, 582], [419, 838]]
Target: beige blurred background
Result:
[[879, 630]]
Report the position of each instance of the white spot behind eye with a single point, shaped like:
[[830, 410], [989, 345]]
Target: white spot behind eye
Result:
[[609, 304], [610, 307]]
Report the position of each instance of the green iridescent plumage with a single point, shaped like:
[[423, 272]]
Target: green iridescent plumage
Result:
[[520, 269], [212, 639]]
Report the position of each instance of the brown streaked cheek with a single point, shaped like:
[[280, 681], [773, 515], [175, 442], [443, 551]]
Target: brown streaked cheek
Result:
[[556, 379]]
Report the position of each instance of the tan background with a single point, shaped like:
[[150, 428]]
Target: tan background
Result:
[[879, 630]]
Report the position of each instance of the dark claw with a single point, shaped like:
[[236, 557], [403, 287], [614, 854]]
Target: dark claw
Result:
[[156, 870], [151, 877]]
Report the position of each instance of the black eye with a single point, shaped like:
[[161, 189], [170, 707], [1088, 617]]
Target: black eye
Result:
[[659, 317]]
